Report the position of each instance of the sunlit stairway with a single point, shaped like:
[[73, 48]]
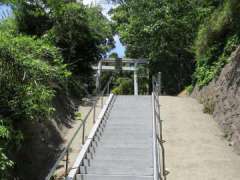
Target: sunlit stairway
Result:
[[124, 150]]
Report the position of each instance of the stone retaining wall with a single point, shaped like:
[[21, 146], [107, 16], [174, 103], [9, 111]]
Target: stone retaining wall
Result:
[[222, 98]]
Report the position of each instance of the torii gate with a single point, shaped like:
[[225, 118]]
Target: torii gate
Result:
[[110, 65]]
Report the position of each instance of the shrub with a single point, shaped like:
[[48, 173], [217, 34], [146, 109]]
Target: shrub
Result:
[[7, 136], [124, 86], [208, 106], [189, 89], [83, 35], [216, 40], [29, 68]]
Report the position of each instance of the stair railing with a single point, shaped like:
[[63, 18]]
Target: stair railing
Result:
[[160, 172], [64, 156], [90, 145]]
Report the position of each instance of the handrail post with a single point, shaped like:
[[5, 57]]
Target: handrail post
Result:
[[67, 159], [94, 111], [159, 83], [108, 88], [102, 101], [83, 133]]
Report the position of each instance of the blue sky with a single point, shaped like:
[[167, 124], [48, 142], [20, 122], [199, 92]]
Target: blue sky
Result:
[[119, 49], [4, 9]]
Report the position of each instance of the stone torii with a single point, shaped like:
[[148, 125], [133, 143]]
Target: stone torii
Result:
[[111, 65]]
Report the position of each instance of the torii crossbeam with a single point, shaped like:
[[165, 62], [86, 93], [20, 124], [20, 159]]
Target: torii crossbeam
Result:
[[111, 65]]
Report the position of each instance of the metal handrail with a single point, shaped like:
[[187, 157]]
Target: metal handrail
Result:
[[65, 151], [160, 172], [90, 143]]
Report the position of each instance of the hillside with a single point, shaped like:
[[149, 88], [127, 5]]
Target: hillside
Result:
[[221, 98]]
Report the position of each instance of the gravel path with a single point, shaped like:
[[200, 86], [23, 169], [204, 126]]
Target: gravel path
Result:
[[195, 147]]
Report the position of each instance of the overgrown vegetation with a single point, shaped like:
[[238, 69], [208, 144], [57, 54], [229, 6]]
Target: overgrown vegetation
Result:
[[163, 32], [28, 69], [49, 46], [208, 106], [189, 89], [180, 37], [123, 86], [217, 38]]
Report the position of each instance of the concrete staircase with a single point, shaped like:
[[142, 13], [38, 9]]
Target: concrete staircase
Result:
[[125, 149]]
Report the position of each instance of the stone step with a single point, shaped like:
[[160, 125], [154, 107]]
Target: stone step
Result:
[[127, 129], [114, 152], [130, 120], [122, 156], [113, 177], [126, 116], [124, 145], [123, 150], [129, 140], [126, 133], [130, 129], [117, 163], [123, 170], [128, 125]]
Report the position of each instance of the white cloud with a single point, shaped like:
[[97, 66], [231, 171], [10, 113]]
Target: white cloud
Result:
[[89, 2]]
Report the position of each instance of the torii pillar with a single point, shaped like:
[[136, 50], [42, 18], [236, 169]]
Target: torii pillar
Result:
[[135, 81]]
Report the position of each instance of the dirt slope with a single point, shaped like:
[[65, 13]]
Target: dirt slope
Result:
[[221, 97], [195, 147]]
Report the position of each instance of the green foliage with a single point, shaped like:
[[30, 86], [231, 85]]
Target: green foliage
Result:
[[189, 89], [10, 25], [82, 34], [5, 163], [124, 86], [34, 17], [29, 69], [113, 55], [48, 47], [78, 116], [162, 31], [172, 33], [143, 79], [216, 40], [7, 135], [31, 18]]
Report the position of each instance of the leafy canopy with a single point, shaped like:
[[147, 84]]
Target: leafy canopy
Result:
[[162, 31], [48, 47], [217, 38], [28, 68]]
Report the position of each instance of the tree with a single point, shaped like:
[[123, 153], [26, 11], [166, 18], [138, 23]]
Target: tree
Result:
[[47, 49], [113, 55], [83, 35], [28, 68], [163, 32]]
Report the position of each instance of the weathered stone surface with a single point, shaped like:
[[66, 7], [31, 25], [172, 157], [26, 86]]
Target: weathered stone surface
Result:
[[224, 95]]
